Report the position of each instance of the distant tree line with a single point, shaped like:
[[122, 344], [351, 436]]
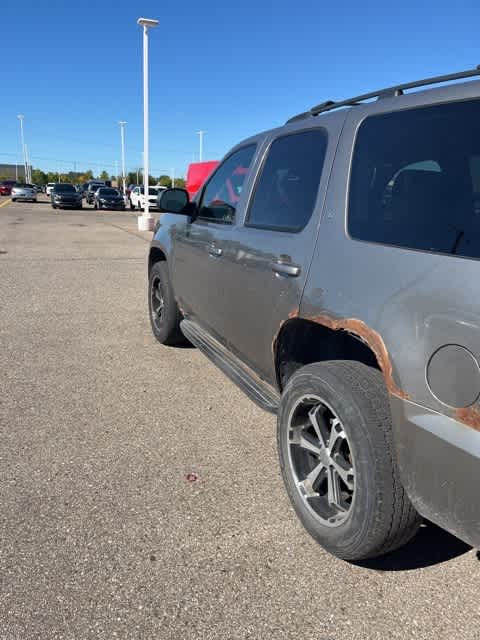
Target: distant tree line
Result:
[[75, 177]]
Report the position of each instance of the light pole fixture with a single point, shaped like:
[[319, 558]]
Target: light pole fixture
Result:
[[22, 138], [122, 124], [145, 221], [200, 153]]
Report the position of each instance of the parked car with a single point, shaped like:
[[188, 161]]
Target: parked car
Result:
[[197, 173], [354, 317], [6, 187], [64, 195], [90, 188], [25, 192], [49, 187], [137, 197], [108, 198]]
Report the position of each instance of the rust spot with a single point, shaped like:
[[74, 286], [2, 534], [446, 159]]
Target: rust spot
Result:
[[373, 339], [470, 416], [191, 477]]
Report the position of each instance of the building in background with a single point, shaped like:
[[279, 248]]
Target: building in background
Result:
[[12, 172]]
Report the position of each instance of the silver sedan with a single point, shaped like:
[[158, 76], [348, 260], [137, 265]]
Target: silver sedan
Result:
[[24, 192]]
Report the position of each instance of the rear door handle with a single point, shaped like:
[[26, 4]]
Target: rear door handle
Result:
[[214, 251], [286, 269]]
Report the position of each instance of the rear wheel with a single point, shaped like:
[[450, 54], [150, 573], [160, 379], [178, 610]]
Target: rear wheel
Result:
[[165, 315], [14, 199], [132, 206], [338, 460]]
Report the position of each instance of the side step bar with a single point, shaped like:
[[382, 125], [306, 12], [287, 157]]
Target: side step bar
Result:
[[256, 389]]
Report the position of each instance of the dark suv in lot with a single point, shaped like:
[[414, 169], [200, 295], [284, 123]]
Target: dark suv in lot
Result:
[[64, 196], [331, 268]]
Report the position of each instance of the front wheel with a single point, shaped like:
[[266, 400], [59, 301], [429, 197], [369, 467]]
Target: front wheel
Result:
[[14, 199], [132, 206], [165, 315], [338, 460]]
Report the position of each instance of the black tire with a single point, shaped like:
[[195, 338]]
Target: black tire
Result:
[[132, 206], [95, 206], [14, 199], [166, 324], [54, 206], [380, 517]]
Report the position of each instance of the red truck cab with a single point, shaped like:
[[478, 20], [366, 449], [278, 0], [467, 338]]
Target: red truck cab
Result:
[[197, 173]]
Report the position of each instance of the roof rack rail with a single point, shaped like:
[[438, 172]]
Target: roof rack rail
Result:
[[388, 92]]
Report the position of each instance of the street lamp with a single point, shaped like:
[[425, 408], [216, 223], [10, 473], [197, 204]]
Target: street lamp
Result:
[[122, 124], [21, 117], [145, 221], [200, 154]]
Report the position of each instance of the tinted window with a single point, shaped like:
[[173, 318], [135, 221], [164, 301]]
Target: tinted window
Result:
[[152, 191], [64, 188], [415, 179], [222, 193], [108, 192], [286, 191]]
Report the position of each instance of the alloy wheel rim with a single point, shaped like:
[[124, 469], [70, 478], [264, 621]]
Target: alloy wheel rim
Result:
[[157, 302], [321, 460]]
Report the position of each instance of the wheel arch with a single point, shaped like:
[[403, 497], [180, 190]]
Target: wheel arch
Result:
[[156, 254], [301, 341]]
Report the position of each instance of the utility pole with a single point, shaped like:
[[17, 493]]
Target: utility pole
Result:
[[28, 177], [116, 171], [122, 124], [22, 138], [173, 178], [145, 221], [200, 154]]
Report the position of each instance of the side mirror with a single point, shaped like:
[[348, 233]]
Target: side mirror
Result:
[[174, 201]]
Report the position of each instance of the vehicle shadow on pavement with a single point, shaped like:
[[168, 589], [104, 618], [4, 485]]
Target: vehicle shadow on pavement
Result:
[[430, 546]]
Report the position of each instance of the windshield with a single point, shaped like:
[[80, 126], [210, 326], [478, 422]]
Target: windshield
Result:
[[108, 192], [64, 188], [152, 191], [23, 186]]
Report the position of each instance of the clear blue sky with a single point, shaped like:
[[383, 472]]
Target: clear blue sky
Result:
[[231, 68]]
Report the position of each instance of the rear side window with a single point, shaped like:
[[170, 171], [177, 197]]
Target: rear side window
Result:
[[415, 179], [287, 188]]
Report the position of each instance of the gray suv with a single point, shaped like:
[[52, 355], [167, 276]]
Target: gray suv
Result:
[[330, 267]]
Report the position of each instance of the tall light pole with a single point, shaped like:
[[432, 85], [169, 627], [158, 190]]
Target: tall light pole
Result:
[[21, 117], [173, 178], [145, 221], [28, 178], [122, 124], [200, 153]]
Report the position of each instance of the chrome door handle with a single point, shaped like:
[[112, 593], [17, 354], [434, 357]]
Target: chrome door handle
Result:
[[214, 251], [286, 269]]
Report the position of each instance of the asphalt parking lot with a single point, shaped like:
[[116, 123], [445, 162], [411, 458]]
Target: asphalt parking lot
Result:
[[140, 491]]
